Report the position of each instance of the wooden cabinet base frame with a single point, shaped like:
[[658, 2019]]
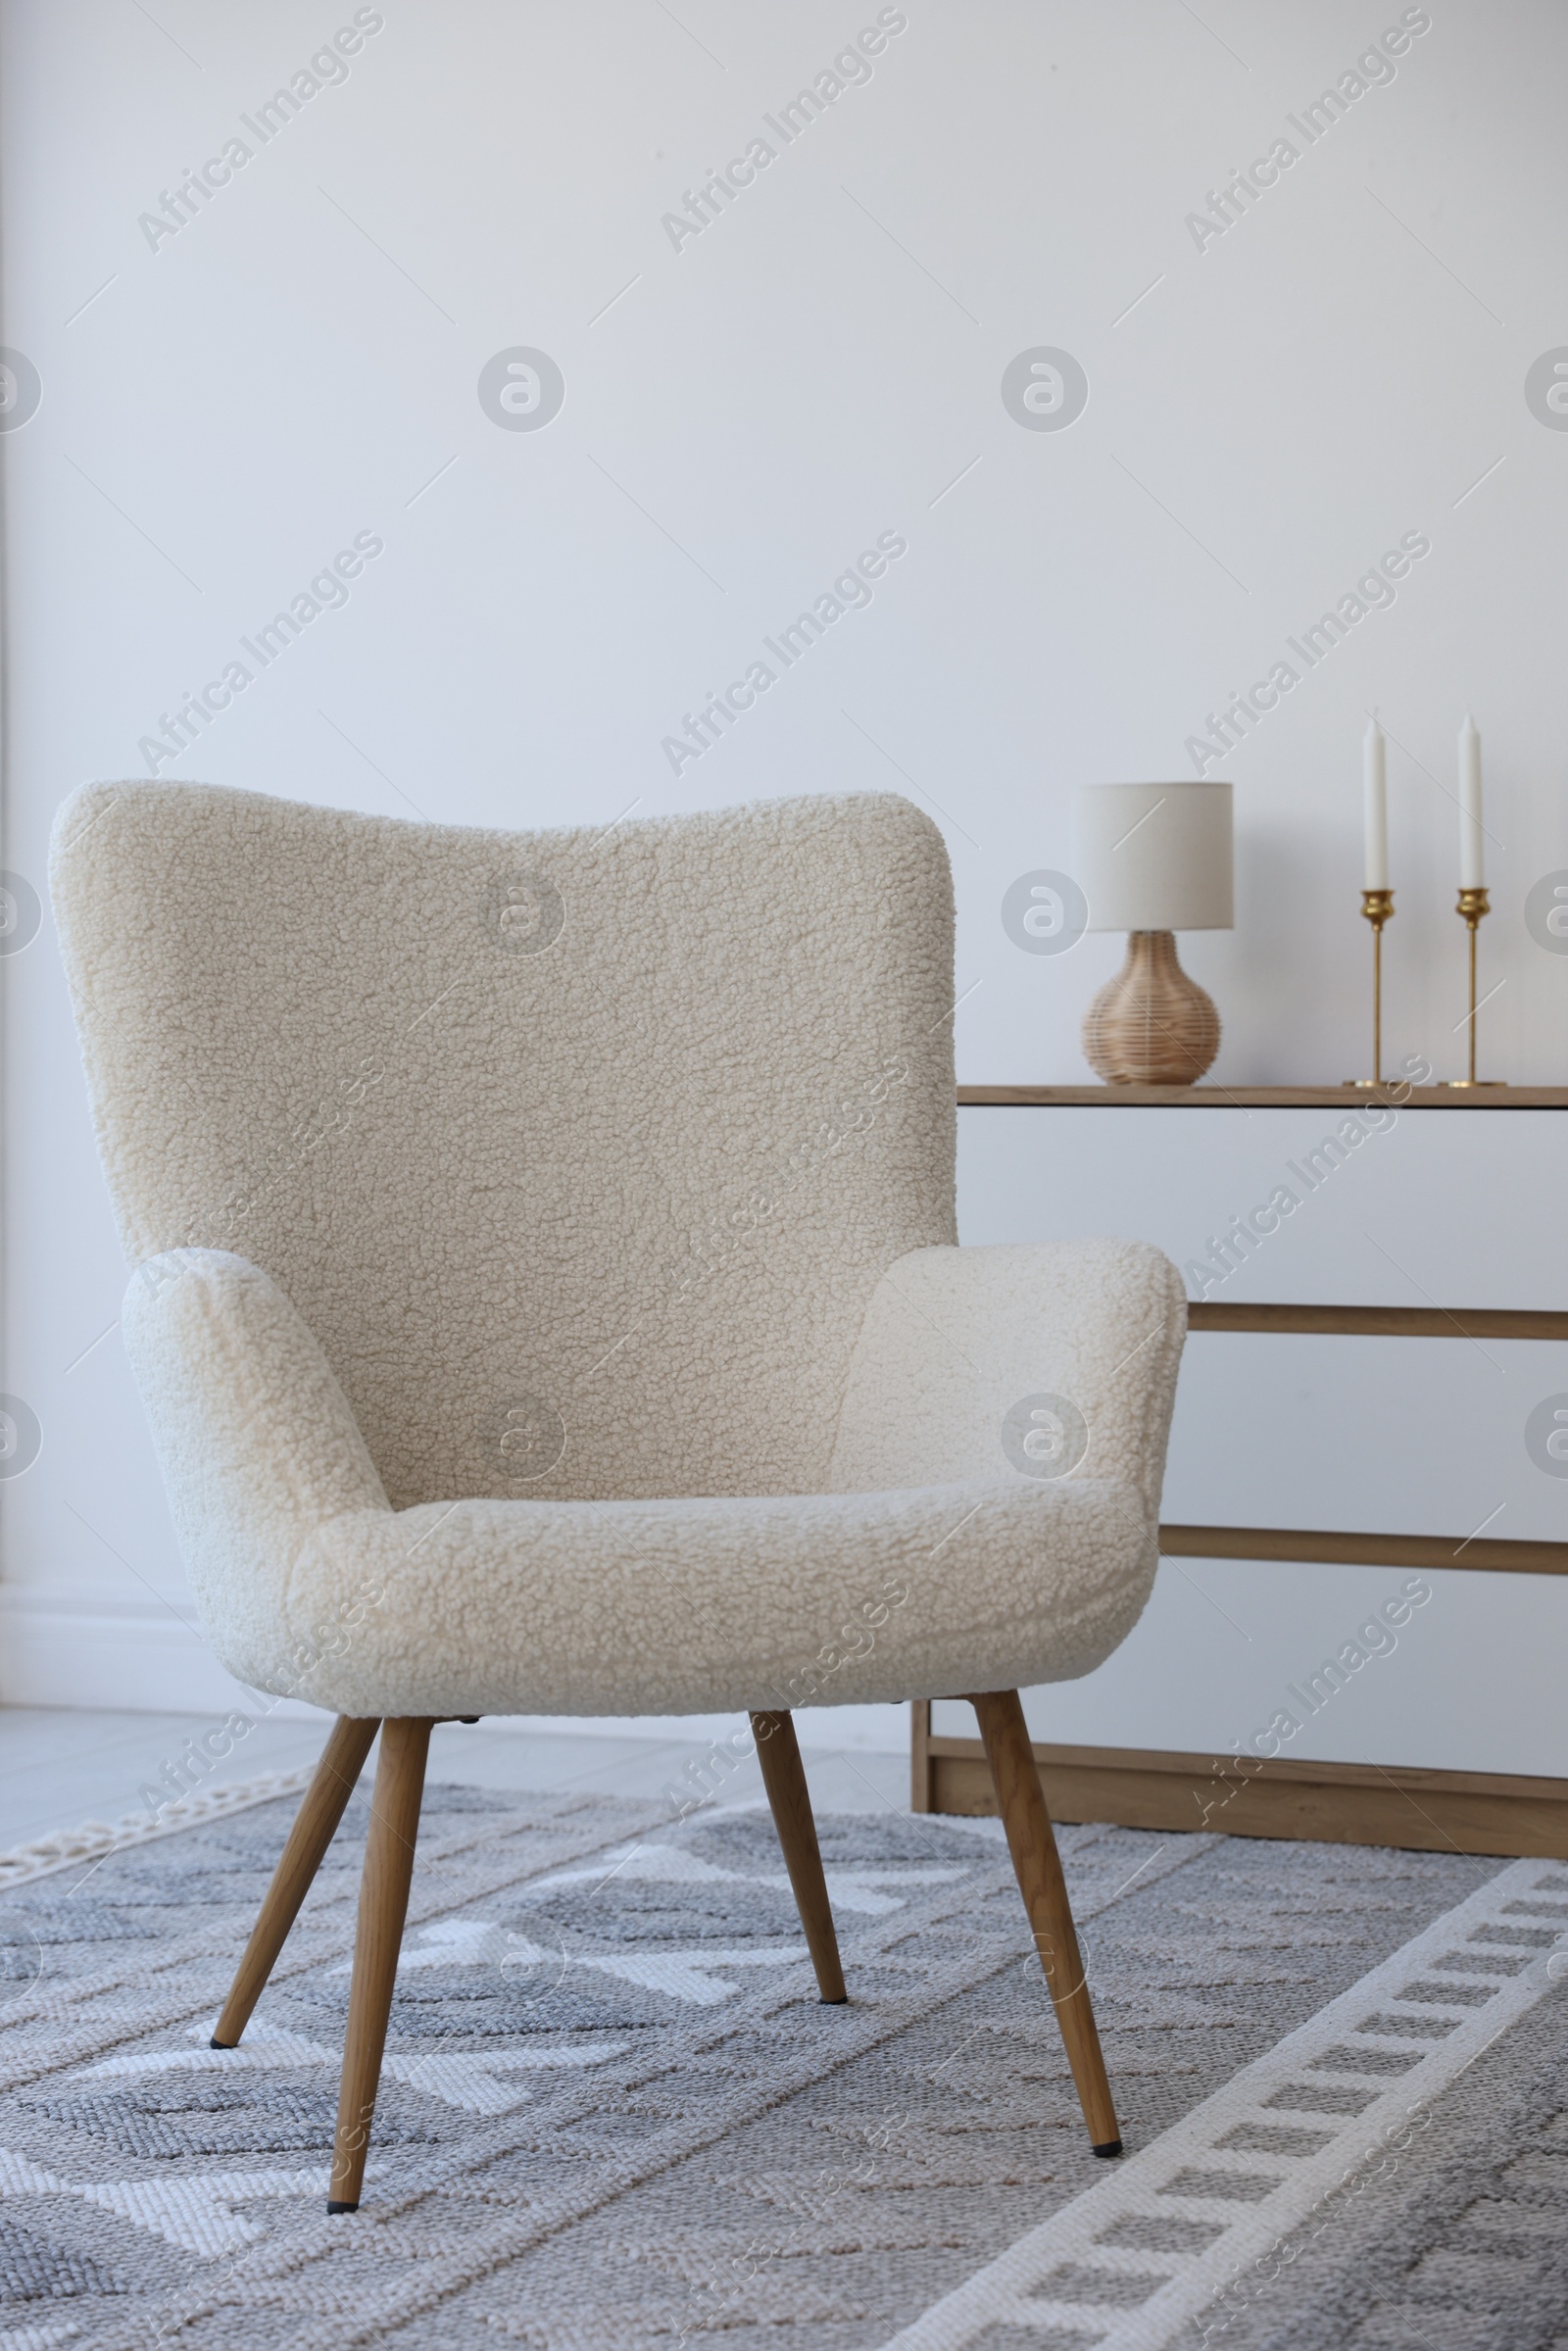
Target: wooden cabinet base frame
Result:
[[1335, 1803]]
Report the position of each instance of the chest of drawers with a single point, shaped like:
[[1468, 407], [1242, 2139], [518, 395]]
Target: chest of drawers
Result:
[[1319, 1477]]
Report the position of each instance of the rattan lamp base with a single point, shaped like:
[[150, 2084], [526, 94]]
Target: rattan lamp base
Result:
[[1151, 1025]]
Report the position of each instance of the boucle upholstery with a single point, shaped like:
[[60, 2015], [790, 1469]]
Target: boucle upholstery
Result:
[[546, 1298]]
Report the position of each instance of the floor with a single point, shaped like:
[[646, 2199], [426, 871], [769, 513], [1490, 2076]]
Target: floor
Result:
[[61, 1768]]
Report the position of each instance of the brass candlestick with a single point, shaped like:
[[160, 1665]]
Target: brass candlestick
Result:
[[1473, 903], [1378, 908]]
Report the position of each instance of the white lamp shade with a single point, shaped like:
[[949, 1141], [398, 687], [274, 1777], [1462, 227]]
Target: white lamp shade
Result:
[[1154, 856]]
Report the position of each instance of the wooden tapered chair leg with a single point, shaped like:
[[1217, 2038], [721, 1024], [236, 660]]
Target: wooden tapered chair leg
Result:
[[784, 1778], [1032, 1844], [383, 1907], [314, 1827]]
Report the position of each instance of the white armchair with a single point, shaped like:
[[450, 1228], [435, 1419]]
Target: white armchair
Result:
[[546, 1301]]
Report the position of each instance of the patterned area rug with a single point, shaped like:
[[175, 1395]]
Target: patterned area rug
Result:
[[615, 2114]]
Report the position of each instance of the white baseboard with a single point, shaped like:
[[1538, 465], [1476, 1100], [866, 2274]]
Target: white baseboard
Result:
[[142, 1659], [132, 1658]]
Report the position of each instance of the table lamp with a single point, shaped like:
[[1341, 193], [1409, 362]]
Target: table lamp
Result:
[[1153, 860]]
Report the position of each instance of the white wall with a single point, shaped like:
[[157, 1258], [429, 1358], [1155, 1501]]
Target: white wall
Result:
[[300, 363]]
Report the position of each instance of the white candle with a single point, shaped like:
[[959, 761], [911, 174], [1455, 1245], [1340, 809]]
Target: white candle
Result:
[[1471, 868], [1375, 807]]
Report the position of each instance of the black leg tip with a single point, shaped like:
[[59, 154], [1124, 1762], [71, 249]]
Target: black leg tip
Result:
[[839, 2001], [332, 2207], [216, 2043], [1113, 2146]]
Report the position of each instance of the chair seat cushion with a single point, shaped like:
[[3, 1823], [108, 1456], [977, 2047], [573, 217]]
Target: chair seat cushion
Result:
[[673, 1607]]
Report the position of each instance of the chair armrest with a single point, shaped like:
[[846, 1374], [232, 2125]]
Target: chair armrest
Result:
[[256, 1439], [953, 1339]]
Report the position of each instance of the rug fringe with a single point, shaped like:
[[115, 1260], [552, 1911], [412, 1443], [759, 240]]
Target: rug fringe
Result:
[[94, 1841]]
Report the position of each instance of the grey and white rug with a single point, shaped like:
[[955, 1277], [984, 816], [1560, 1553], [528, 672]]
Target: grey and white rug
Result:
[[615, 2114]]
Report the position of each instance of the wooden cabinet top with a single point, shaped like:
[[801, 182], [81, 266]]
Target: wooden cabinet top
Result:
[[1265, 1098]]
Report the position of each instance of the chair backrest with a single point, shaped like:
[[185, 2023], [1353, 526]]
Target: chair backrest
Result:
[[580, 1153]]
